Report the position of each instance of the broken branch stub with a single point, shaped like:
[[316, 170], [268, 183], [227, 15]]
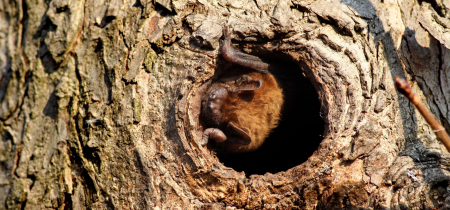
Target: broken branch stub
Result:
[[438, 129]]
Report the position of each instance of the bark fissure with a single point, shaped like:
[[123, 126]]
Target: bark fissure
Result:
[[120, 84]]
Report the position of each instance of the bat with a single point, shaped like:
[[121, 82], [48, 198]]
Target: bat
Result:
[[244, 105]]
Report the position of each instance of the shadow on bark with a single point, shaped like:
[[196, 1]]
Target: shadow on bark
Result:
[[428, 162]]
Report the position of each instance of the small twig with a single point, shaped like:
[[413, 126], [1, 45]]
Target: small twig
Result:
[[404, 88]]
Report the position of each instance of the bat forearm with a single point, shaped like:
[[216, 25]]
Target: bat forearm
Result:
[[233, 55]]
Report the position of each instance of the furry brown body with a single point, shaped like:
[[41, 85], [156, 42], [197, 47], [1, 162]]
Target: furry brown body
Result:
[[242, 107]]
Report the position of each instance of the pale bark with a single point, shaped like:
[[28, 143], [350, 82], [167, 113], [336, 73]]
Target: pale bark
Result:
[[99, 103]]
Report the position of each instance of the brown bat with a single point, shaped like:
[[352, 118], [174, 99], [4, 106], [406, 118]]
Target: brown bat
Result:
[[243, 106]]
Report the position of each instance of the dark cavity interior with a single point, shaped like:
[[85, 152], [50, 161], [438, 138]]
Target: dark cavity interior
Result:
[[297, 136]]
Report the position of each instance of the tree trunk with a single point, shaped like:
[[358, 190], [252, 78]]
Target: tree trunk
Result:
[[100, 105]]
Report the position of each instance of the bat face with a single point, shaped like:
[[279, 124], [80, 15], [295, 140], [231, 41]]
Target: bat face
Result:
[[241, 109]]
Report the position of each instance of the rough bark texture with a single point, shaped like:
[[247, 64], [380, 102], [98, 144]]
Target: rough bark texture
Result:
[[100, 103]]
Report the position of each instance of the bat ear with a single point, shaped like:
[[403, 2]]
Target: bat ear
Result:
[[246, 83], [245, 138]]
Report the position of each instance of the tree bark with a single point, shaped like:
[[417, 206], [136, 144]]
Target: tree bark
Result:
[[100, 103]]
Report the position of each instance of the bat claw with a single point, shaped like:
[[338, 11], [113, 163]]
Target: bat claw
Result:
[[246, 83]]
